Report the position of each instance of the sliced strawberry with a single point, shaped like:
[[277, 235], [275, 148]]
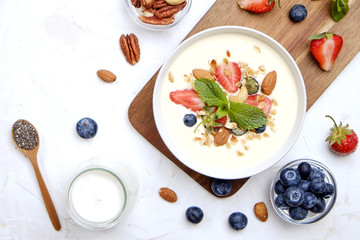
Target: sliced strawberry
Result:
[[228, 75], [325, 48], [189, 98], [260, 101], [257, 6]]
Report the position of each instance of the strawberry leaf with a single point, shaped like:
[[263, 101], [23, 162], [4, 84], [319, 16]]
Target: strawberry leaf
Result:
[[339, 8], [320, 36], [246, 116], [210, 92]]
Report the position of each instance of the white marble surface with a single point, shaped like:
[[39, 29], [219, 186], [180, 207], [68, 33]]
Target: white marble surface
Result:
[[49, 54]]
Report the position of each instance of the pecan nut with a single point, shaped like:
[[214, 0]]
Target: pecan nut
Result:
[[130, 47], [136, 3], [169, 10], [160, 4], [156, 21], [147, 3]]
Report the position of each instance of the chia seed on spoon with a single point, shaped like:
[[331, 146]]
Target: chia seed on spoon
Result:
[[25, 135]]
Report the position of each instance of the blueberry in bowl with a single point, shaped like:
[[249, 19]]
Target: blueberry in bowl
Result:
[[303, 191]]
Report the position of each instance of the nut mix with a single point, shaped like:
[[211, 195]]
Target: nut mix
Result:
[[130, 47], [158, 12]]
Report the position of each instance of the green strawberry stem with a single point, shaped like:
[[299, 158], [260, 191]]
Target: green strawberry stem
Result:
[[337, 129]]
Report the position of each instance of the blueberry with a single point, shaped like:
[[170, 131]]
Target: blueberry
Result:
[[317, 186], [279, 188], [238, 131], [319, 205], [260, 129], [194, 214], [221, 187], [304, 169], [309, 200], [329, 191], [290, 177], [316, 173], [237, 220], [280, 202], [189, 119], [305, 185], [252, 85], [294, 196], [298, 213], [298, 13], [86, 127]]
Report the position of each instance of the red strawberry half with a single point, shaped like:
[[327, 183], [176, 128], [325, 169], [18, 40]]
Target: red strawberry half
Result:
[[342, 140], [325, 48], [260, 101], [189, 98], [257, 6], [228, 75]]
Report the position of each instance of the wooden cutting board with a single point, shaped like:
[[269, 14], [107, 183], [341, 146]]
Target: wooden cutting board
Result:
[[276, 24]]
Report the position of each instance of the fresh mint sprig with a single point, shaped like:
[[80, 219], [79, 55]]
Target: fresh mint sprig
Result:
[[210, 92], [339, 8], [246, 116]]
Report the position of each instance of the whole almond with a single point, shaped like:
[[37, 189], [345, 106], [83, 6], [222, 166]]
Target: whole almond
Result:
[[201, 73], [261, 211], [106, 75], [168, 194], [221, 136], [269, 83]]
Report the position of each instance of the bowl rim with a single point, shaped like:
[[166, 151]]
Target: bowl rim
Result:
[[132, 11], [238, 174], [315, 217]]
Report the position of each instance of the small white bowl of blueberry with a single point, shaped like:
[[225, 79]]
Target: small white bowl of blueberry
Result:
[[303, 191]]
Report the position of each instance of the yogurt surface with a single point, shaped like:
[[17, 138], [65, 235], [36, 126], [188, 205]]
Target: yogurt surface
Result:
[[97, 196], [245, 49]]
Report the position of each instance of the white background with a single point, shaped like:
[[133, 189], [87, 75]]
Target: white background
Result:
[[49, 54]]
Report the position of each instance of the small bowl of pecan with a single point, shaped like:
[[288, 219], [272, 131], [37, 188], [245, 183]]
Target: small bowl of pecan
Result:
[[157, 14]]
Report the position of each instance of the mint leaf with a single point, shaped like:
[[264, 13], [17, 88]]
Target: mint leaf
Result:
[[210, 92], [246, 116], [222, 111], [339, 8]]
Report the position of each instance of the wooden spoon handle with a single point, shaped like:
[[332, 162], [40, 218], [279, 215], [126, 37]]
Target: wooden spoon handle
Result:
[[46, 196]]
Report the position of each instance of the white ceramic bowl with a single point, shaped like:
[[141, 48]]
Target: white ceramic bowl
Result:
[[245, 45]]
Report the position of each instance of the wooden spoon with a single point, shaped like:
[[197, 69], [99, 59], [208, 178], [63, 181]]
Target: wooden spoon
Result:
[[26, 139]]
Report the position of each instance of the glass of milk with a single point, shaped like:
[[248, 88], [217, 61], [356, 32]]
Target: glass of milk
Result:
[[101, 193]]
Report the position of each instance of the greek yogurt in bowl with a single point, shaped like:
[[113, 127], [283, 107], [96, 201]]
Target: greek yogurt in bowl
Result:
[[256, 54]]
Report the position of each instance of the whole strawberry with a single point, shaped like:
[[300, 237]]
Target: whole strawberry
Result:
[[257, 6], [325, 48], [343, 140]]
